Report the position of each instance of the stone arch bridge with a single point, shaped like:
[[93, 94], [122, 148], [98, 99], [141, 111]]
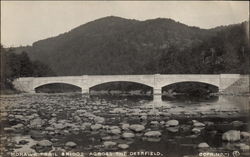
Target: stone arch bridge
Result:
[[157, 81]]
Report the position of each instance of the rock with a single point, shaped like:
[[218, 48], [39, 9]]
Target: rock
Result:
[[125, 126], [80, 111], [203, 145], [123, 146], [23, 142], [9, 129], [38, 122], [152, 139], [36, 134], [196, 130], [245, 135], [108, 144], [231, 136], [153, 134], [185, 128], [20, 117], [171, 123], [77, 119], [44, 143], [113, 127], [59, 126], [137, 127], [198, 124], [115, 131], [85, 125], [119, 110], [237, 123], [106, 138], [128, 135], [18, 126], [96, 127], [173, 129], [99, 120], [154, 122], [49, 129], [208, 123], [143, 117], [162, 122], [70, 144], [244, 148]]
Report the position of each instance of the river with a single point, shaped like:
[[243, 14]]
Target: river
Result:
[[88, 125]]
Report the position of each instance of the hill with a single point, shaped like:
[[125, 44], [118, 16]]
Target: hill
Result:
[[114, 45]]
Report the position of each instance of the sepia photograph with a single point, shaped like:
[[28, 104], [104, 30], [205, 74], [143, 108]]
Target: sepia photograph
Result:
[[125, 79]]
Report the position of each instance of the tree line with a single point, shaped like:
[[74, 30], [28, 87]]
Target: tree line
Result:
[[19, 65]]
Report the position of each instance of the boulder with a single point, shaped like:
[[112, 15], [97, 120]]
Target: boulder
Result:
[[245, 135], [203, 145], [35, 134], [99, 120], [123, 146], [152, 134], [128, 135], [108, 144], [70, 144], [154, 122], [38, 122], [196, 130], [198, 124], [59, 126], [137, 127], [44, 143], [231, 136], [171, 123], [18, 126], [245, 148], [125, 126], [106, 138], [237, 123], [115, 131], [173, 129], [96, 127]]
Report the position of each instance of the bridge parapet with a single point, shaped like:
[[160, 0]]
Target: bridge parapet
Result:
[[157, 81]]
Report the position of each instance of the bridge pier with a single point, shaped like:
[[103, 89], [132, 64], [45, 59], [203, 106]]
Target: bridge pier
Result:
[[32, 91], [157, 91], [85, 91]]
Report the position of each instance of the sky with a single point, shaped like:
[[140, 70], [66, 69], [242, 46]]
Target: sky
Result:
[[24, 22]]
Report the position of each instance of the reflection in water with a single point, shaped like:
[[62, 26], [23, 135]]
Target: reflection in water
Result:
[[188, 98], [122, 97], [183, 103]]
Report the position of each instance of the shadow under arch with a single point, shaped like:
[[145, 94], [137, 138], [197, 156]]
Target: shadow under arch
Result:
[[190, 90], [58, 87], [121, 88]]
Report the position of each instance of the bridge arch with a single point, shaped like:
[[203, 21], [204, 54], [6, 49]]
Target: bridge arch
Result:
[[191, 85], [41, 84], [123, 85]]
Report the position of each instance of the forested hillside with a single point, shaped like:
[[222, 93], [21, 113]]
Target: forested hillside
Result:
[[114, 45], [19, 65]]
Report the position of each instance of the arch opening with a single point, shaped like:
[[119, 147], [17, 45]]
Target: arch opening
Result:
[[190, 91], [121, 88], [58, 88]]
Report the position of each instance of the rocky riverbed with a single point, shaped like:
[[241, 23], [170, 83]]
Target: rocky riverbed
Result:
[[63, 123]]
